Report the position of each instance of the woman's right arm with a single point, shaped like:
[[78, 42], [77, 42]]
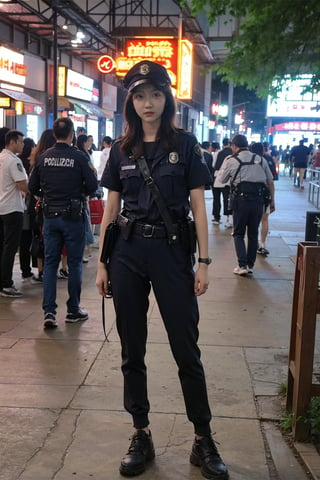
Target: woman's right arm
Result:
[[111, 210]]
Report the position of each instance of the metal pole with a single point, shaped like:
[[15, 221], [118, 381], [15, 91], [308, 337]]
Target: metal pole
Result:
[[55, 64], [230, 107]]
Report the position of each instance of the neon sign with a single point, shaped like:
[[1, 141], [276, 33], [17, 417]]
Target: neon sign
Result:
[[176, 56], [106, 64], [12, 68]]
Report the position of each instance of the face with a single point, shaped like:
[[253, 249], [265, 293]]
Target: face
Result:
[[17, 146], [149, 103]]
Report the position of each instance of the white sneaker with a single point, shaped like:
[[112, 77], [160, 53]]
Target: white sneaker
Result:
[[250, 270], [240, 270], [10, 292], [228, 225]]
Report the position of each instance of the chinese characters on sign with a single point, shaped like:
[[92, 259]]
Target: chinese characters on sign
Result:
[[162, 50], [306, 126], [176, 56], [12, 68]]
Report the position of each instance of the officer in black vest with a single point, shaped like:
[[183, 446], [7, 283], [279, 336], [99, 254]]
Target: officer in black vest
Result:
[[146, 256], [63, 177]]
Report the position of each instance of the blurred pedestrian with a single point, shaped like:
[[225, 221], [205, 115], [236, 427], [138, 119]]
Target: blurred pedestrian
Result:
[[13, 184]]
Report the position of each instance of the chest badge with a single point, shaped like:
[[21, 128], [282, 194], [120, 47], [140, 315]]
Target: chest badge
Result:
[[173, 158]]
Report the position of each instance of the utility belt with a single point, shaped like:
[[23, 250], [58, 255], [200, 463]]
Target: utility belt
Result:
[[149, 231], [257, 191], [184, 230], [69, 210]]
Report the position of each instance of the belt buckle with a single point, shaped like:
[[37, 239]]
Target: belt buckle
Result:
[[147, 231]]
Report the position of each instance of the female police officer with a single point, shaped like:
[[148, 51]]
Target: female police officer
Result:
[[143, 257]]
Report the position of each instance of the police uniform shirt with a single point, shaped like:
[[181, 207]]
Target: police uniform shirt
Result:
[[11, 171], [258, 172], [62, 173], [175, 173]]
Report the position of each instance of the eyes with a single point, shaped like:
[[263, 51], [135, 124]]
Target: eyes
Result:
[[143, 96]]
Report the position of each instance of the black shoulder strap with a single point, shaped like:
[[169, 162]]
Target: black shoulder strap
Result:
[[171, 228], [241, 164]]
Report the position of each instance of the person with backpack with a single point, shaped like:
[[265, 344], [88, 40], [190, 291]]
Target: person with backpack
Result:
[[250, 176], [262, 150]]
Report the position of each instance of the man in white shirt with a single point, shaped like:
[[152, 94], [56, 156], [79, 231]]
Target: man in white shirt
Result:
[[13, 181], [106, 143]]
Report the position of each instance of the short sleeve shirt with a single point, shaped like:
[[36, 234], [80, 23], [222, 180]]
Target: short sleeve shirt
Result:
[[11, 171], [258, 172], [175, 173]]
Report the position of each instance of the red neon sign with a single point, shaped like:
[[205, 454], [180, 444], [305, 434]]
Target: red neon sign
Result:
[[106, 64]]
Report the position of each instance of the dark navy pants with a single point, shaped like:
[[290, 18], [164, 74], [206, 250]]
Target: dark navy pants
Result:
[[247, 215], [10, 234], [135, 266]]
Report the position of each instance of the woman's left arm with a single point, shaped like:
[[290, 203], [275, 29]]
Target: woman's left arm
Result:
[[198, 209]]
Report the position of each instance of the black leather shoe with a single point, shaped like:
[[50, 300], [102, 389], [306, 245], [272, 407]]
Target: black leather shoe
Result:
[[205, 455], [140, 452]]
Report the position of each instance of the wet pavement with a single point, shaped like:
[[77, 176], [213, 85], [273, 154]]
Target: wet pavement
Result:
[[61, 412]]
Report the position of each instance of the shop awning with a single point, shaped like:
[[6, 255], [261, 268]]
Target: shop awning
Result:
[[64, 104], [82, 108], [90, 109], [20, 96]]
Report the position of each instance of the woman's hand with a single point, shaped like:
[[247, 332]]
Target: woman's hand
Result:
[[102, 280], [201, 281]]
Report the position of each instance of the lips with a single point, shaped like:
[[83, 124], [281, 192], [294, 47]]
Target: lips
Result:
[[148, 114]]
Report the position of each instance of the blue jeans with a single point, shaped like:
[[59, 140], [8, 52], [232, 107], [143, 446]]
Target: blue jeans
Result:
[[56, 233]]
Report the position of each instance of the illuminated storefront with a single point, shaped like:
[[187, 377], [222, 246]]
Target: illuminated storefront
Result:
[[78, 98], [295, 113], [19, 109]]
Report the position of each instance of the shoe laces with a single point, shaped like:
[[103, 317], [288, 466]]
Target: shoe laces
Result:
[[138, 441], [210, 446]]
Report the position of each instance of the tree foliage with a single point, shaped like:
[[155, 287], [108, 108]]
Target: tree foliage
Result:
[[275, 38]]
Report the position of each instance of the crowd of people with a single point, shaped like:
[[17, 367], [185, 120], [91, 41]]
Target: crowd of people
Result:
[[22, 211], [156, 176]]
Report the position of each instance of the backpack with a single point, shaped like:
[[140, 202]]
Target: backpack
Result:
[[257, 191]]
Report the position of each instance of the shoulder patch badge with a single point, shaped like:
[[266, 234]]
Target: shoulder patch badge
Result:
[[19, 167], [197, 150], [173, 158]]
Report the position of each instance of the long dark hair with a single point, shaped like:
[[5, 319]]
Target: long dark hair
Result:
[[46, 141], [132, 141], [28, 145], [81, 140]]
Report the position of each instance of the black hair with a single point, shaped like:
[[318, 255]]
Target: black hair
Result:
[[257, 147], [81, 140], [12, 135], [62, 128], [107, 140], [28, 145], [133, 137], [240, 141]]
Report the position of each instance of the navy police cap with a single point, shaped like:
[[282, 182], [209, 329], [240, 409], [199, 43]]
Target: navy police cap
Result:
[[146, 72]]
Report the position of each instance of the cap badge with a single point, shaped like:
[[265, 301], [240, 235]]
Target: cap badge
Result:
[[144, 69], [173, 158]]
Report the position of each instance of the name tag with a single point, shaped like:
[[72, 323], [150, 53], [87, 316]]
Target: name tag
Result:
[[128, 167]]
